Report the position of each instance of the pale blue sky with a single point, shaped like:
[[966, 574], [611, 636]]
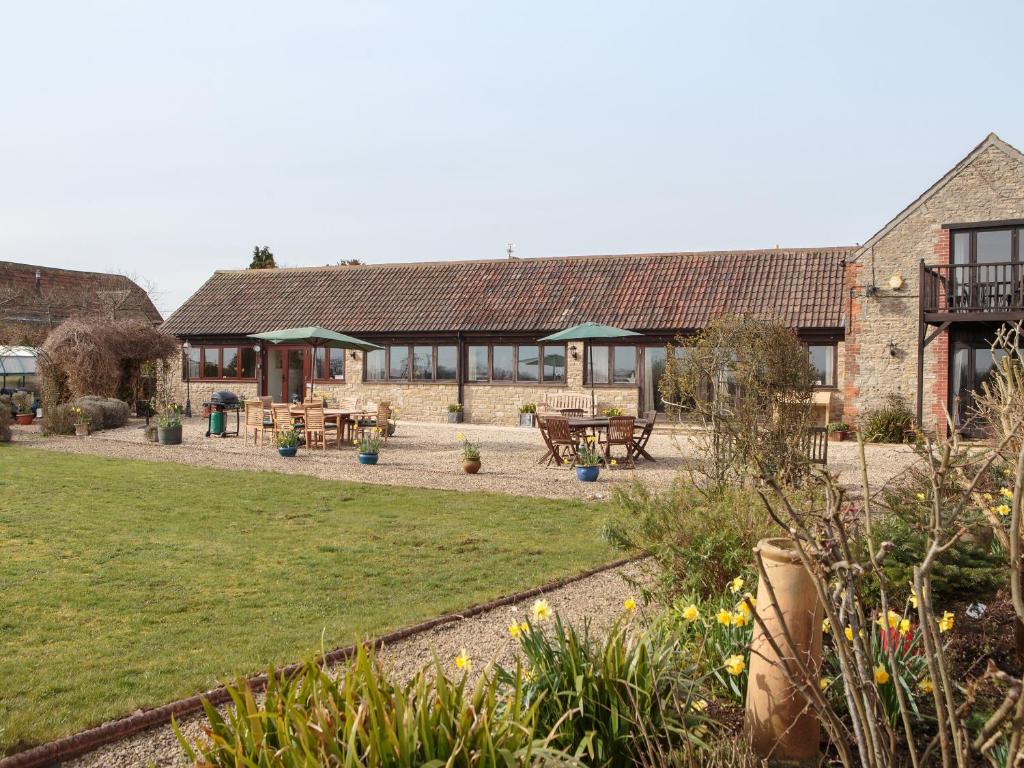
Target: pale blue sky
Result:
[[167, 139]]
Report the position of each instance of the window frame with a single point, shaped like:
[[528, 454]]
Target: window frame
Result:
[[610, 372], [201, 349], [834, 346], [410, 378], [515, 380], [322, 376]]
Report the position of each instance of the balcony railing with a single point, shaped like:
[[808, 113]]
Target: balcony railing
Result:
[[973, 288]]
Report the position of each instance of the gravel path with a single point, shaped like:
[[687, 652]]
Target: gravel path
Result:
[[484, 637], [429, 456]]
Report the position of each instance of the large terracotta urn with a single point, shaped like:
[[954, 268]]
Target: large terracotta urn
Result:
[[780, 724]]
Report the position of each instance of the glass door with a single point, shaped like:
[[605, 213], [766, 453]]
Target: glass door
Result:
[[972, 363], [296, 377], [654, 367], [286, 373]]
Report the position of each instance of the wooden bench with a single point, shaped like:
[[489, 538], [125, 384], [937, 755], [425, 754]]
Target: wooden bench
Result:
[[563, 401]]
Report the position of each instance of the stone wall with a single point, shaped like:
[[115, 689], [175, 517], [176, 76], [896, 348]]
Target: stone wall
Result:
[[988, 187], [428, 401]]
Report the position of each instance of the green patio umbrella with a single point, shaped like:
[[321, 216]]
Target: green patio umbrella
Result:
[[315, 336], [590, 332]]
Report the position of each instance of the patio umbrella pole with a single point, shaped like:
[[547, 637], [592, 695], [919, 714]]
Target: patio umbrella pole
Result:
[[593, 407]]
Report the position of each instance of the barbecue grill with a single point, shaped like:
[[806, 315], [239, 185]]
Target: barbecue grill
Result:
[[218, 405]]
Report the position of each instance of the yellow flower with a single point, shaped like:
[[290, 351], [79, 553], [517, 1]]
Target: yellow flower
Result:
[[514, 630], [826, 626], [946, 622], [613, 462], [524, 627], [736, 585], [590, 439], [904, 626], [987, 496], [690, 612], [699, 705], [926, 686], [541, 610], [630, 604], [849, 633], [913, 595], [1007, 472], [1003, 510], [462, 661], [824, 683], [893, 620], [735, 665], [460, 436], [920, 496], [881, 675], [740, 619], [724, 617], [1007, 493]]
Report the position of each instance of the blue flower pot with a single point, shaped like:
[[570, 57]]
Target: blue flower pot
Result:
[[288, 451], [368, 458], [588, 474]]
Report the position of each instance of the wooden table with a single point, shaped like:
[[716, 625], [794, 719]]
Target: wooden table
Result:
[[597, 424], [339, 416]]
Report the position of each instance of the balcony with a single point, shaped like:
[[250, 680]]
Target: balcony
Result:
[[992, 291]]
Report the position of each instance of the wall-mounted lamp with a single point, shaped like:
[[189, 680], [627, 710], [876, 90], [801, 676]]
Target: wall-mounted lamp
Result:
[[893, 349], [256, 348], [896, 282], [574, 352], [353, 353]]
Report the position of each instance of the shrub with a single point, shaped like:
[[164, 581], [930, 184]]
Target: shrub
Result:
[[5, 419], [889, 423], [22, 401], [59, 420], [113, 413], [613, 702], [701, 541], [362, 718]]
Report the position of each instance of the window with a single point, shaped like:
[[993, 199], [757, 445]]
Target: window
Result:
[[248, 366], [447, 362], [211, 356], [823, 359], [624, 365], [502, 366], [554, 364], [398, 362], [193, 355], [476, 364], [423, 363], [376, 364], [610, 365], [596, 368], [229, 363], [529, 365], [329, 363]]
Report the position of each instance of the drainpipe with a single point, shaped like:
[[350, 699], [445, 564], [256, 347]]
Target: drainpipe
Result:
[[460, 365]]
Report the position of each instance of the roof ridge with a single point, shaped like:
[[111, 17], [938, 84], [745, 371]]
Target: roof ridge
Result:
[[830, 250]]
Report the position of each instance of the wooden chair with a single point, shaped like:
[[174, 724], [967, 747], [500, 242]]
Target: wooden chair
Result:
[[378, 422], [268, 416], [572, 413], [316, 428], [254, 421], [282, 418], [620, 432], [560, 441], [642, 433]]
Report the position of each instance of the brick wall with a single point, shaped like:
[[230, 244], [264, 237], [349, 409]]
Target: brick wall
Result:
[[989, 187]]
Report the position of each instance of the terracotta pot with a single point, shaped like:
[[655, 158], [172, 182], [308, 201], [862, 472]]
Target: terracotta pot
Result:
[[780, 724], [838, 437], [82, 430], [471, 466], [25, 418]]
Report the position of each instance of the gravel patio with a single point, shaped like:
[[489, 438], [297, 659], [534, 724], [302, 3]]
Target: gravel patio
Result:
[[429, 456]]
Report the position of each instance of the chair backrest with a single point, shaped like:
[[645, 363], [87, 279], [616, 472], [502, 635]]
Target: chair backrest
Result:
[[558, 429], [267, 401], [282, 415], [383, 415], [620, 430], [572, 412], [651, 416], [314, 417], [313, 401], [816, 445], [253, 413]]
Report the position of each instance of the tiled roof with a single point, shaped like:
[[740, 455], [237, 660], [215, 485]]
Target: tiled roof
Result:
[[802, 288], [61, 293]]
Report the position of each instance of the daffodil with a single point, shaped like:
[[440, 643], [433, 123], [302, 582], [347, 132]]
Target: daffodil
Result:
[[892, 618], [1006, 492], [848, 631], [920, 496], [524, 626], [724, 617], [826, 626], [613, 462], [735, 665], [926, 686], [541, 610], [736, 585], [699, 705], [987, 496], [462, 661], [946, 622], [690, 612], [881, 675], [904, 626], [1003, 510], [460, 436], [743, 608], [629, 604], [514, 630], [740, 619], [824, 683]]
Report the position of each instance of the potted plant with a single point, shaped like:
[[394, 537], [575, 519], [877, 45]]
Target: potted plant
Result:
[[470, 455], [168, 431], [838, 431], [23, 405], [393, 422], [288, 443], [609, 412], [588, 462], [454, 413], [81, 421], [527, 414], [369, 449]]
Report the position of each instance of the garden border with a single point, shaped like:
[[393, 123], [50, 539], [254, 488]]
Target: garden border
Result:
[[77, 744]]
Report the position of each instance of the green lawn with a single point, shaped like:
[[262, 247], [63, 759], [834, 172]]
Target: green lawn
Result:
[[127, 584]]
